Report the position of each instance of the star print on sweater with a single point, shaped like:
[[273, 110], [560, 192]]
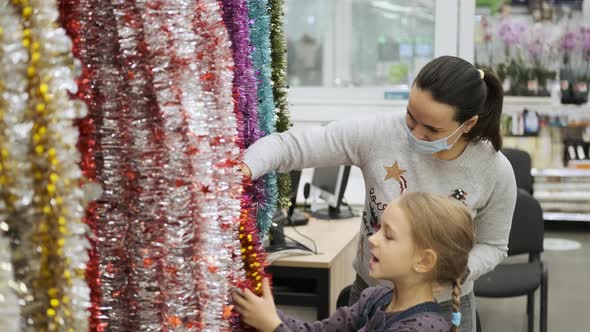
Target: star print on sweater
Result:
[[394, 172]]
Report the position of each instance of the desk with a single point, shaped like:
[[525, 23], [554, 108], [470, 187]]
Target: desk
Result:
[[318, 279]]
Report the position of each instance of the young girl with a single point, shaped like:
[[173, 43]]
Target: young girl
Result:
[[424, 238]]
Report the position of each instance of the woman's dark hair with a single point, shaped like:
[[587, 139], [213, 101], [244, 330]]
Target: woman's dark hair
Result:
[[456, 82]]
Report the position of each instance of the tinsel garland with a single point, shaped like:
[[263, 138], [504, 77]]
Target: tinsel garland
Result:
[[171, 44], [147, 196], [181, 185], [15, 189], [280, 88], [15, 182], [87, 145], [15, 168], [235, 16], [59, 296], [279, 65], [261, 56], [245, 92], [104, 145], [225, 181], [265, 195], [246, 104], [9, 306], [250, 253]]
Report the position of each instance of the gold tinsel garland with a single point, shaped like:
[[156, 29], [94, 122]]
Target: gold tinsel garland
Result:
[[53, 248]]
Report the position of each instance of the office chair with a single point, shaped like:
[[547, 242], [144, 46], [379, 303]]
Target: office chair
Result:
[[343, 297], [521, 164], [519, 279]]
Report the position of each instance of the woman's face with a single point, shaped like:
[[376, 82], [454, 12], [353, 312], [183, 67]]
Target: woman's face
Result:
[[430, 120]]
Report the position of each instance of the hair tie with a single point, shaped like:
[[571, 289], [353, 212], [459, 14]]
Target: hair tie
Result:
[[456, 318], [481, 73]]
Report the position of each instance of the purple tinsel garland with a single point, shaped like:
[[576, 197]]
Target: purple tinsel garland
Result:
[[235, 16]]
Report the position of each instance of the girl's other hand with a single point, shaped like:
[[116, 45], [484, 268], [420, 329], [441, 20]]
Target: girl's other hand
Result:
[[258, 312]]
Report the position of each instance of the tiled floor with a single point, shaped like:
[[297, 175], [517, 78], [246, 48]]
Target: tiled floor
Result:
[[569, 290]]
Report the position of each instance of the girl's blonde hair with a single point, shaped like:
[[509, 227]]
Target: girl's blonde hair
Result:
[[445, 226]]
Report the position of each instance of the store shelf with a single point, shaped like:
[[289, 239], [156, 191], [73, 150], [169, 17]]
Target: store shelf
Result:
[[563, 196], [566, 207], [571, 186], [560, 172], [543, 105], [523, 101], [566, 198], [564, 216], [549, 109]]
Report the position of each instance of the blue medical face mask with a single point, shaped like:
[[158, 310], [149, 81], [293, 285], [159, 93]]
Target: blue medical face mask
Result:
[[430, 147]]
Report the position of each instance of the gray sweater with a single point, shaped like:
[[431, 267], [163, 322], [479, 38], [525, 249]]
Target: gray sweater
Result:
[[482, 178]]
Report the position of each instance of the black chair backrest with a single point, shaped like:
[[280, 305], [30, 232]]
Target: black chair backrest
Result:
[[526, 235], [343, 297], [521, 164]]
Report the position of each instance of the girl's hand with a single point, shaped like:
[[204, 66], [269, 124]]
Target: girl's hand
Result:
[[258, 312]]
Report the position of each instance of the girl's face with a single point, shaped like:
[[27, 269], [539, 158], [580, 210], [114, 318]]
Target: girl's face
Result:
[[394, 255], [430, 120]]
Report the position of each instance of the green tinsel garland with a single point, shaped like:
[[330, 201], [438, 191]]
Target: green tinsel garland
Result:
[[280, 88]]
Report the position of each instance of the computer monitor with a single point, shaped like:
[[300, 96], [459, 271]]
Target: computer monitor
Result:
[[294, 216], [295, 178], [331, 183]]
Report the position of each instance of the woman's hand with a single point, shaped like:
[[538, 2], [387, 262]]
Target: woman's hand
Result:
[[258, 312], [437, 288], [245, 171]]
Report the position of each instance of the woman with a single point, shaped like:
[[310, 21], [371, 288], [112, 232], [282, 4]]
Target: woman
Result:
[[447, 143]]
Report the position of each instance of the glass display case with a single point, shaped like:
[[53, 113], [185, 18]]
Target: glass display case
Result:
[[307, 23], [358, 43], [394, 39]]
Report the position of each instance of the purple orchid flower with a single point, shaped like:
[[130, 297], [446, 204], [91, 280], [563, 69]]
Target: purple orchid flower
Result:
[[585, 38], [535, 47], [568, 42], [510, 32]]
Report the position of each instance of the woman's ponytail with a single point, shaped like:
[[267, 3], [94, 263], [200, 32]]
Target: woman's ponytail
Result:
[[490, 116]]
